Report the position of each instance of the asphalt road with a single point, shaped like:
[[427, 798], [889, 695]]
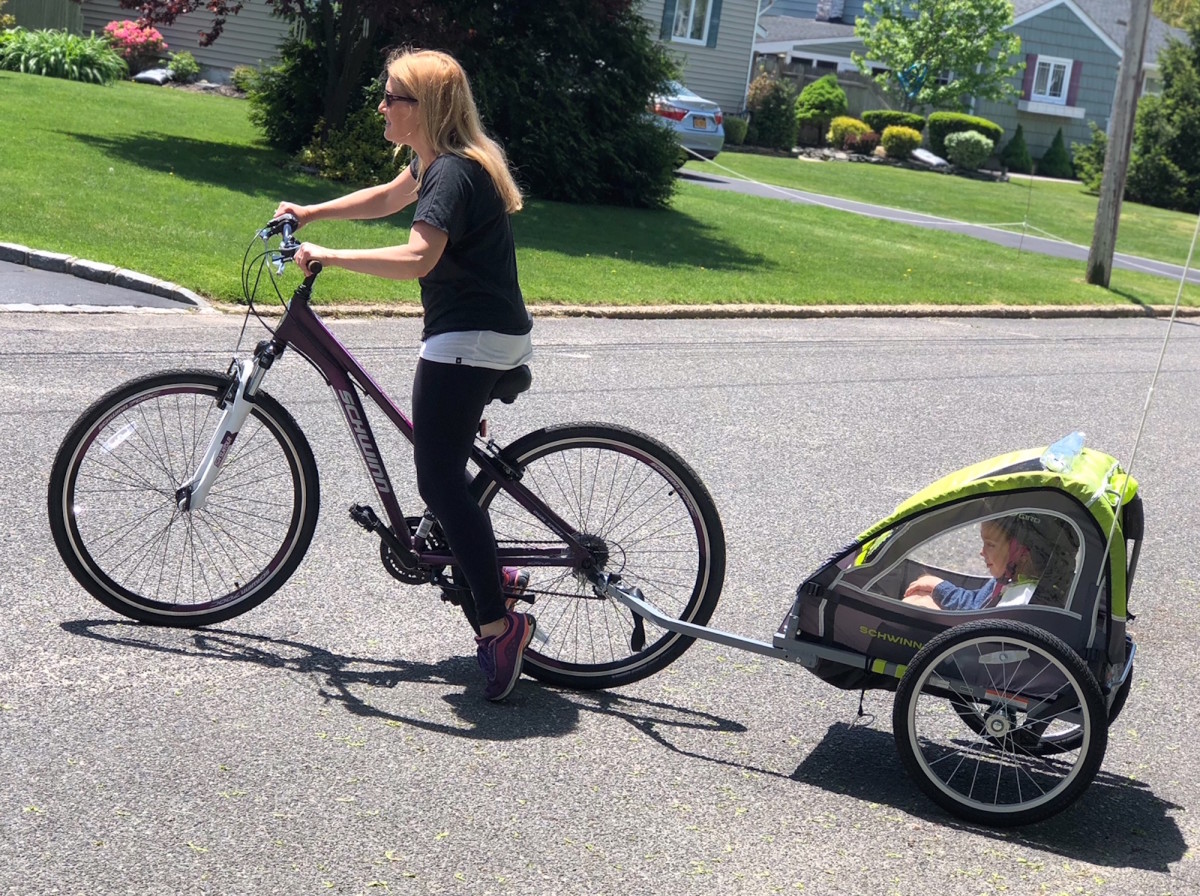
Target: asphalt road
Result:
[[335, 739]]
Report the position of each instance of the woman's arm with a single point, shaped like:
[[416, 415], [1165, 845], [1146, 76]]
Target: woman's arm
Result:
[[416, 258], [371, 202]]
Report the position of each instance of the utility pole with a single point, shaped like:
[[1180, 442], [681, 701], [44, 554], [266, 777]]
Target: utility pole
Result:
[[1120, 139]]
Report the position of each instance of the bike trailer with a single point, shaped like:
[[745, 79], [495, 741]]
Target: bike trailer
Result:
[[1083, 527]]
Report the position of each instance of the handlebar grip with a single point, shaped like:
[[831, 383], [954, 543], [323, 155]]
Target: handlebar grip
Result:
[[285, 224], [315, 267]]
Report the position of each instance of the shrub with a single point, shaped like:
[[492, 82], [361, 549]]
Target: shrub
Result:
[[6, 21], [184, 67], [899, 142], [1057, 161], [863, 144], [285, 100], [1015, 156], [1159, 180], [882, 119], [1089, 159], [842, 127], [819, 103], [968, 149], [355, 152], [57, 54], [772, 123], [140, 46], [735, 130], [242, 78], [942, 124]]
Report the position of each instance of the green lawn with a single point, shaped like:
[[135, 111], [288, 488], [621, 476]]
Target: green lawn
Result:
[[173, 184], [1055, 209]]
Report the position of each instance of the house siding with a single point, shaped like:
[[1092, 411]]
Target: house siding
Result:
[[1059, 32], [39, 15], [252, 37], [719, 73]]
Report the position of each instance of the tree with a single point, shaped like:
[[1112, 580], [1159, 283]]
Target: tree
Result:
[[345, 33], [1164, 168], [1177, 12], [941, 53], [564, 86]]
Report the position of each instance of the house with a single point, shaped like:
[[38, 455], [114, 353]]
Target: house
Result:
[[251, 37], [713, 42], [1072, 49]]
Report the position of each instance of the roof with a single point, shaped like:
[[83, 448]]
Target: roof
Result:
[[790, 28], [1108, 18]]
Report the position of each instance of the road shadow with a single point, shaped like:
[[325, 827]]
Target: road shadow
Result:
[[1117, 822], [532, 711]]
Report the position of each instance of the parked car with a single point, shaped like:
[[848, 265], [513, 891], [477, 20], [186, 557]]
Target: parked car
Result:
[[697, 122]]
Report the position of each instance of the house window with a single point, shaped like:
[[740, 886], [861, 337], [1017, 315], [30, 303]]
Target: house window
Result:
[[1051, 80], [691, 21]]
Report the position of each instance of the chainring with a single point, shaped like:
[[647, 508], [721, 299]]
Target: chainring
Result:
[[419, 574]]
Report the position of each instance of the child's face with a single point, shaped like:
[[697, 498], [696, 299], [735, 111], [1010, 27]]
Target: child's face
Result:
[[995, 549]]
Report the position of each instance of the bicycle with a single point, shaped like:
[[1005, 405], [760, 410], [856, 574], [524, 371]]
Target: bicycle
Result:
[[188, 497]]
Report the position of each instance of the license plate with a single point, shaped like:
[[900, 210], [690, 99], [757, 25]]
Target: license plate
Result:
[[699, 122]]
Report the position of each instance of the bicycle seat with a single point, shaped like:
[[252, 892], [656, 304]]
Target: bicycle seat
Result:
[[511, 384]]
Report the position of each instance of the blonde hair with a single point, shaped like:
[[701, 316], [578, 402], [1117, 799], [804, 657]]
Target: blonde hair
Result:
[[449, 116]]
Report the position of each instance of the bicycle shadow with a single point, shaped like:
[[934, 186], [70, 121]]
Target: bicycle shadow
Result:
[[1146, 837], [341, 679]]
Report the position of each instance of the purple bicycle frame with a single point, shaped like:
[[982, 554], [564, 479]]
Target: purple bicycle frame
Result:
[[304, 331]]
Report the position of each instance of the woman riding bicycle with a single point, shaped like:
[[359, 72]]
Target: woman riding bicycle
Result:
[[476, 326]]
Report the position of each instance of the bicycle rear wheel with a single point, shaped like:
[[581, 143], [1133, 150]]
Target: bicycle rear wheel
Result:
[[1028, 679], [644, 514], [116, 523]]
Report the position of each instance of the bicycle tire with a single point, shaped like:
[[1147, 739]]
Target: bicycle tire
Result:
[[116, 524], [646, 515], [1029, 675], [1044, 740]]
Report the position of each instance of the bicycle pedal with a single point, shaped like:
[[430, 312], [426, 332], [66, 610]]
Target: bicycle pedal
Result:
[[364, 516]]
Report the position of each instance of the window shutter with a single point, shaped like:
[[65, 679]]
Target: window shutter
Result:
[[1030, 71], [668, 25], [1073, 88], [714, 22]]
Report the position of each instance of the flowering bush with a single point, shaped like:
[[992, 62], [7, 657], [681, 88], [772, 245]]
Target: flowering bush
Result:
[[140, 46]]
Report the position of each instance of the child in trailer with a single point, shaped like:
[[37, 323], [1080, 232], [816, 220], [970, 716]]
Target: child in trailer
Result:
[[1017, 551]]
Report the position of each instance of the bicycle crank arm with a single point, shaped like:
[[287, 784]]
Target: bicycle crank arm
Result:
[[193, 494]]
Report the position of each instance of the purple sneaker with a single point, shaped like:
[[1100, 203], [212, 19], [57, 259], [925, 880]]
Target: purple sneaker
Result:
[[500, 656]]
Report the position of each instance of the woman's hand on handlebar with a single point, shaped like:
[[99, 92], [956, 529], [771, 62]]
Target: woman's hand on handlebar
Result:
[[309, 253], [299, 212]]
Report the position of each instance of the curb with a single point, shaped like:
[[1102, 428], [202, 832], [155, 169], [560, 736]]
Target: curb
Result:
[[99, 272]]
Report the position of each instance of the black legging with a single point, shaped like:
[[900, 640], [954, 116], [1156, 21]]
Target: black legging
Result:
[[448, 400]]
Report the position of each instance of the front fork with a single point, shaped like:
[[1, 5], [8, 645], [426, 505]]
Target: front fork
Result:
[[237, 402]]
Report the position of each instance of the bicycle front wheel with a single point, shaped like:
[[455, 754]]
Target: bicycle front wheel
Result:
[[116, 523], [643, 514]]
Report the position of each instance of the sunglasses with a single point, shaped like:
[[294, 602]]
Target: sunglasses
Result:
[[389, 98]]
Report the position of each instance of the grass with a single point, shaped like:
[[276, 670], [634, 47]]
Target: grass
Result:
[[1056, 209], [173, 184]]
